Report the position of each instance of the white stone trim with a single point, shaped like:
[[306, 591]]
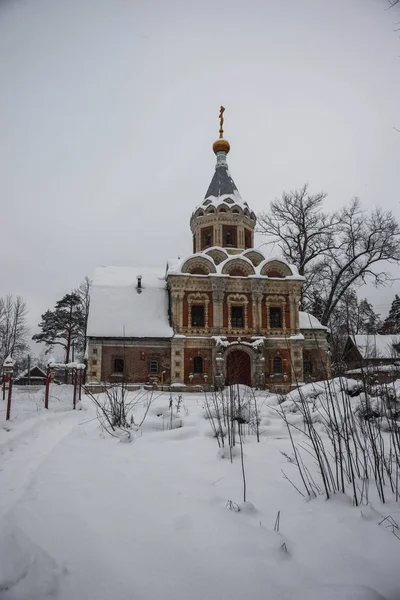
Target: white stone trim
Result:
[[201, 299], [278, 302], [237, 300]]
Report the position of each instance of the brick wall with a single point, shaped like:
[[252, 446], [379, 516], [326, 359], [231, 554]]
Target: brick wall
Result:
[[206, 355], [136, 363], [318, 360], [286, 367]]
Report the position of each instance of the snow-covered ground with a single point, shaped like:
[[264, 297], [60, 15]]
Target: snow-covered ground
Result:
[[84, 516]]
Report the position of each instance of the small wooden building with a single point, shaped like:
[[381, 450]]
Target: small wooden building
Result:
[[34, 376], [373, 355]]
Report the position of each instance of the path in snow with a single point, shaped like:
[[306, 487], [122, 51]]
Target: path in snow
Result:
[[147, 521], [23, 454]]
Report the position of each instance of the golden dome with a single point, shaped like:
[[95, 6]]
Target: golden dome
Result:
[[221, 145]]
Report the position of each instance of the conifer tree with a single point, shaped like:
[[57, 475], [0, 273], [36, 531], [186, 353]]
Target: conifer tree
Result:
[[368, 319], [392, 322], [62, 326]]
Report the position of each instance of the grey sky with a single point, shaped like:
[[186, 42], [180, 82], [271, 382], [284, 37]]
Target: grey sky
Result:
[[108, 111]]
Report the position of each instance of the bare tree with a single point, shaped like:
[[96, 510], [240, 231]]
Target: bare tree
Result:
[[363, 241], [84, 292], [300, 228], [13, 327], [334, 252]]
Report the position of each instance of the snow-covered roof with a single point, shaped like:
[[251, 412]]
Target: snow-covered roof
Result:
[[9, 362], [25, 373], [374, 369], [377, 346], [222, 189], [176, 266], [118, 310], [308, 321]]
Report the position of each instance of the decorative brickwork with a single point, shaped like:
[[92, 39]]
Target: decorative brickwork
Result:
[[231, 310]]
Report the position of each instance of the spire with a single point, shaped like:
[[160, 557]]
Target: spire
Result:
[[223, 218], [222, 183], [221, 145]]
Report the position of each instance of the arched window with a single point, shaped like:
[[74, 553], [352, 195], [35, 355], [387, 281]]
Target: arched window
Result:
[[197, 364], [277, 365], [228, 238], [206, 237]]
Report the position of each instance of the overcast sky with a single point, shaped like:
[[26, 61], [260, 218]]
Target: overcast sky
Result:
[[109, 108]]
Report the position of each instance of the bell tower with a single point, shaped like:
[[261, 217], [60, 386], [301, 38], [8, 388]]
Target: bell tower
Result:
[[223, 219]]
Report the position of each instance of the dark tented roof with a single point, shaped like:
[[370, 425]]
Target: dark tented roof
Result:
[[221, 183]]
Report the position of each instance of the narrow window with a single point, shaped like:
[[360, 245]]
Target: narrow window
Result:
[[94, 350], [228, 238], [275, 318], [197, 364], [206, 237], [118, 365], [307, 366], [237, 319], [277, 365], [153, 367], [197, 315]]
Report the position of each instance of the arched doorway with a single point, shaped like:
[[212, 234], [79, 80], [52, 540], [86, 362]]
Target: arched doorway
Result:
[[238, 368]]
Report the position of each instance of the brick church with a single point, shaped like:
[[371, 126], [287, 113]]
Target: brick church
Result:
[[224, 314]]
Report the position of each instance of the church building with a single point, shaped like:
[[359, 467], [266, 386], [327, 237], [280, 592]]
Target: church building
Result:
[[224, 314]]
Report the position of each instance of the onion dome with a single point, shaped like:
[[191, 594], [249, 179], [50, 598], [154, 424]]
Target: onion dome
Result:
[[221, 145]]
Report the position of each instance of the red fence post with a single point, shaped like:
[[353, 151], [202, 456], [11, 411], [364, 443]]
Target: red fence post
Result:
[[75, 384], [10, 382], [46, 394], [8, 369]]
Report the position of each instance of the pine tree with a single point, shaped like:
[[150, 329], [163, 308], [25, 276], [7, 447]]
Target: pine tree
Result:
[[368, 319], [62, 326], [392, 322]]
